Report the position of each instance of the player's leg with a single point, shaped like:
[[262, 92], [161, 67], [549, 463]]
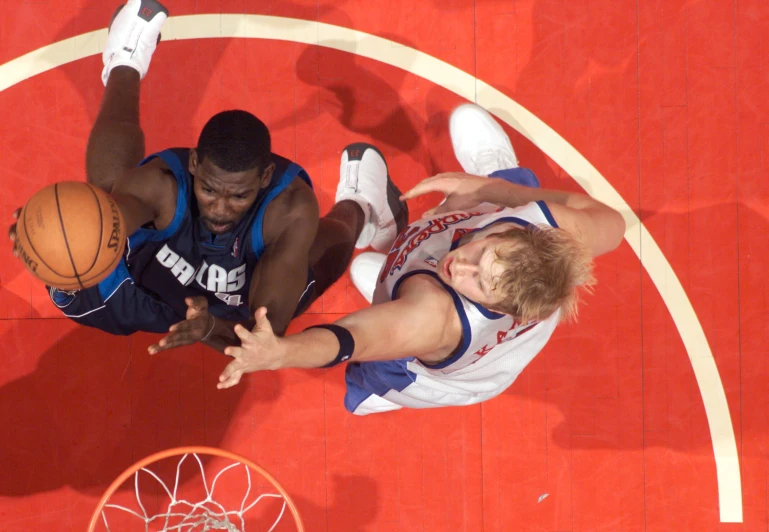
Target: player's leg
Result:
[[367, 212], [483, 148], [116, 142]]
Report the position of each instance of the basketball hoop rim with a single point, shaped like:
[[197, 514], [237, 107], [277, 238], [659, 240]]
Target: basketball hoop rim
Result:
[[198, 450]]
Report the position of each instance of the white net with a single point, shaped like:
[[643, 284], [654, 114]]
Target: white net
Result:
[[192, 504]]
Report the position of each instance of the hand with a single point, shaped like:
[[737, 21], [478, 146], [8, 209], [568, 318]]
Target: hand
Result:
[[461, 191], [259, 349], [196, 327], [12, 232]]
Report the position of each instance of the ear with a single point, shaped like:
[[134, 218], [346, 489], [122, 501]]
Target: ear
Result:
[[192, 165], [267, 175]]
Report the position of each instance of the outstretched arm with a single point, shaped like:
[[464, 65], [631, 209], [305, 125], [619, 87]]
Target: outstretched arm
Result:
[[422, 322]]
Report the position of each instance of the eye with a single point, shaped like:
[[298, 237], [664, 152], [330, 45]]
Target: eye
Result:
[[240, 196], [207, 190]]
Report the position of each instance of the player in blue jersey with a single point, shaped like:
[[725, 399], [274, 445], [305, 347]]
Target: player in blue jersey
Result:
[[215, 231]]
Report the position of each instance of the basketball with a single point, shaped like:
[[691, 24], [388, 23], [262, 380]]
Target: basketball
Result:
[[70, 235]]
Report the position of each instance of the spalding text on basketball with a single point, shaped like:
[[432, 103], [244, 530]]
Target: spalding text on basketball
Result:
[[114, 237], [30, 263]]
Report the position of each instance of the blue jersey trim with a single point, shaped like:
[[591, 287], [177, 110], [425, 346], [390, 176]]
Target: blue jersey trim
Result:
[[506, 219], [546, 211], [518, 176], [305, 177], [111, 283], [291, 171], [142, 235], [467, 333]]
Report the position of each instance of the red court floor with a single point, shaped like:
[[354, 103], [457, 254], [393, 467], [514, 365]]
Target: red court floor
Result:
[[667, 99]]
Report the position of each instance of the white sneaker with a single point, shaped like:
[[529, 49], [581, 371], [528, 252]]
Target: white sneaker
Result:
[[364, 272], [133, 36], [363, 178], [480, 144]]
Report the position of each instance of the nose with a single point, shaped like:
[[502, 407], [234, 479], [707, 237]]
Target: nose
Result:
[[464, 268], [218, 209]]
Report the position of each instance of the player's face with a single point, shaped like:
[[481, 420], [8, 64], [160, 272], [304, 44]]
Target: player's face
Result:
[[473, 270], [224, 197]]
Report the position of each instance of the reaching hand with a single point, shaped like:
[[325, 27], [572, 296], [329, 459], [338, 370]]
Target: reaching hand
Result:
[[259, 350], [196, 327], [461, 191]]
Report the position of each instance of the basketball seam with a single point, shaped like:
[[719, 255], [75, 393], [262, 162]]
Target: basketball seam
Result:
[[112, 265], [32, 245], [109, 269], [64, 232], [101, 229]]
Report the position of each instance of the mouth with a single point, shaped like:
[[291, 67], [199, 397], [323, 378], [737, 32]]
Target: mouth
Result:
[[447, 267], [218, 227]]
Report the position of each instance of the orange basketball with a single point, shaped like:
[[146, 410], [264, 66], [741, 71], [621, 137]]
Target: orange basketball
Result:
[[70, 235]]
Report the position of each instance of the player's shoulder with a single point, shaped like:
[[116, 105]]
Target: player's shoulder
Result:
[[152, 183], [429, 297], [426, 289], [297, 203]]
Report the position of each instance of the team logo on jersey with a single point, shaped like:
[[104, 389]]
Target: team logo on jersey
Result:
[[515, 330], [212, 277], [414, 236], [432, 261]]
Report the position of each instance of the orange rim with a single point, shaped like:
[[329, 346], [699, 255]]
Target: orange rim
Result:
[[177, 451]]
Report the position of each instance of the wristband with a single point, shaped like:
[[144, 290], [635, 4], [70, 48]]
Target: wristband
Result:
[[346, 343]]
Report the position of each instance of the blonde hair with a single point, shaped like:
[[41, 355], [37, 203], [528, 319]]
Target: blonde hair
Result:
[[544, 269]]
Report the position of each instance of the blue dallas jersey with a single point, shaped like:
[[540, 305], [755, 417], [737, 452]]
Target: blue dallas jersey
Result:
[[185, 259], [161, 268]]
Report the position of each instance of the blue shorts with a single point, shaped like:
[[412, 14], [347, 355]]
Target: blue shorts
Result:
[[119, 306], [116, 305]]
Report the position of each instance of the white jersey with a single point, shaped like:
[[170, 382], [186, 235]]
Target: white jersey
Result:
[[495, 348]]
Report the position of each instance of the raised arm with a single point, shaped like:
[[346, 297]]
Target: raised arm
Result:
[[146, 194], [597, 225]]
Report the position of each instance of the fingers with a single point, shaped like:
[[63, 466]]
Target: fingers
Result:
[[231, 381], [182, 333], [423, 187], [234, 351], [197, 302], [196, 306], [231, 375], [12, 236], [243, 333], [12, 230], [262, 323], [172, 341]]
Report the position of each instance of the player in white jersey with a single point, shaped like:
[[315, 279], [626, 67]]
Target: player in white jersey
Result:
[[466, 296]]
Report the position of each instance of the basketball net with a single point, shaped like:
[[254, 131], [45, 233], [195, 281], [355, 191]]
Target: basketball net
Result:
[[180, 498]]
